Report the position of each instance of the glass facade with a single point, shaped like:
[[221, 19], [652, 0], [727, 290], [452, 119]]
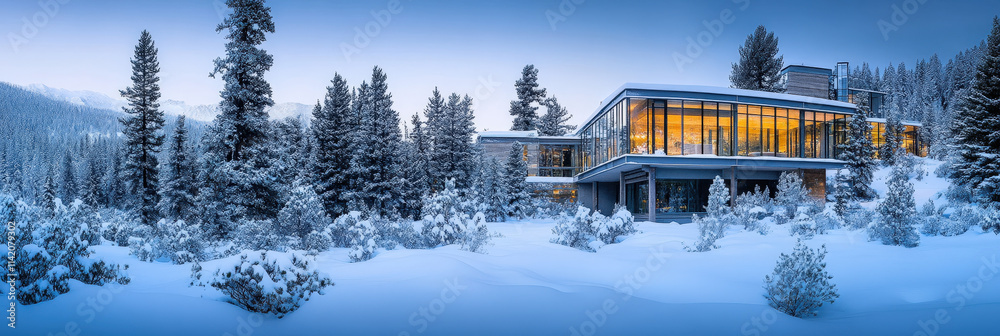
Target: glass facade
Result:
[[912, 143], [556, 160], [692, 127]]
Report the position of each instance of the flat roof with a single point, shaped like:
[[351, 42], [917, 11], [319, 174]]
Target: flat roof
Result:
[[808, 69], [523, 135], [696, 92]]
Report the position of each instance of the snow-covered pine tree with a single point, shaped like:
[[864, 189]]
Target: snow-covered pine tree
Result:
[[179, 188], [49, 194], [859, 152], [890, 151], [236, 165], [759, 65], [302, 214], [114, 187], [514, 175], [977, 128], [718, 199], [450, 127], [333, 128], [418, 162], [528, 92], [492, 191], [69, 190], [897, 212], [376, 163], [791, 192], [142, 130], [842, 196], [554, 121], [92, 193], [800, 283]]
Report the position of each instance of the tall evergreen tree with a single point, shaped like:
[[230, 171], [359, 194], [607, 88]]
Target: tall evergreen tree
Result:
[[376, 162], [179, 192], [514, 176], [92, 193], [418, 163], [237, 174], [759, 66], [892, 134], [69, 189], [977, 131], [450, 130], [334, 123], [142, 129], [897, 212], [859, 152], [528, 92], [49, 194], [554, 121]]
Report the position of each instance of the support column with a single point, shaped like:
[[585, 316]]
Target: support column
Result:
[[596, 207], [732, 186], [621, 188], [652, 194]]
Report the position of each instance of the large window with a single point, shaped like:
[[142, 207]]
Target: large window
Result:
[[691, 127], [639, 123], [556, 160]]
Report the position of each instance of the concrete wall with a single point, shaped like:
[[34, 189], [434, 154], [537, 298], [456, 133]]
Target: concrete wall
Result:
[[607, 197], [585, 194]]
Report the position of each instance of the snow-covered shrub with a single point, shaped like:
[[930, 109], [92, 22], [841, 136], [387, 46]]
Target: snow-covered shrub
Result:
[[40, 279], [991, 220], [620, 224], [963, 218], [316, 242], [897, 213], [180, 242], [804, 226], [858, 218], [710, 229], [57, 249], [260, 235], [573, 231], [791, 192], [120, 226], [302, 214], [800, 283], [395, 232], [269, 283], [932, 218], [364, 238], [474, 235], [340, 229], [751, 207], [446, 217]]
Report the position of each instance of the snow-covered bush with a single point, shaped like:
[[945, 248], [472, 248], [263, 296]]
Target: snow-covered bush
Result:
[[120, 226], [963, 218], [991, 220], [573, 231], [620, 224], [710, 229], [800, 283], [340, 229], [302, 214], [396, 232], [897, 213], [446, 217], [858, 218], [933, 219], [272, 283], [260, 235], [474, 234], [316, 242], [751, 207], [55, 250], [179, 241], [364, 238], [791, 192]]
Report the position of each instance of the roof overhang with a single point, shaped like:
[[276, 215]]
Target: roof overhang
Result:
[[609, 171]]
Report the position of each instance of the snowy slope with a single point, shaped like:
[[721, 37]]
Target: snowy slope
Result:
[[525, 285], [204, 113]]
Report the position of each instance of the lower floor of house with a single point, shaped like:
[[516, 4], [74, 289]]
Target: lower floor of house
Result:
[[673, 192]]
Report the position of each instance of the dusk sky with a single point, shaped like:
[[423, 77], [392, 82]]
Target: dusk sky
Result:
[[470, 47]]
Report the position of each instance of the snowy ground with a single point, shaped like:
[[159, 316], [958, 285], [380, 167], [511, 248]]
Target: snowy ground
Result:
[[647, 285]]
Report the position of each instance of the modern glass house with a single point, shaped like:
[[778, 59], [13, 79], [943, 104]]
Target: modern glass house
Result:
[[656, 148]]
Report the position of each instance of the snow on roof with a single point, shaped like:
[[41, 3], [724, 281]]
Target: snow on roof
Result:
[[509, 134], [712, 90]]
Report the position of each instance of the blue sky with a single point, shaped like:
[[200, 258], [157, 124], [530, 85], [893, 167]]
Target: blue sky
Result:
[[471, 47]]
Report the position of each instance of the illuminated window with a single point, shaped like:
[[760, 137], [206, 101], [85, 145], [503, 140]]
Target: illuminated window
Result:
[[692, 128], [674, 130], [639, 126], [726, 129], [711, 132]]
